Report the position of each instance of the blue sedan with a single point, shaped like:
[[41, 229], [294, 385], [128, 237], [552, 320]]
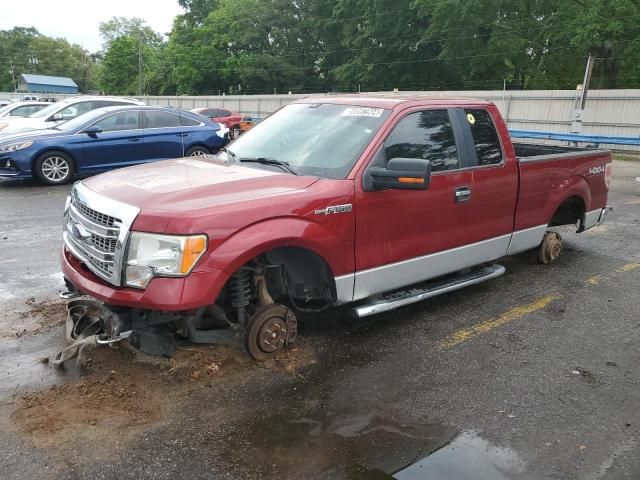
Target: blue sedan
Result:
[[105, 139]]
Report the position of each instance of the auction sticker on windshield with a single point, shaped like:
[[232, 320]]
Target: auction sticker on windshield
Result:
[[362, 112]]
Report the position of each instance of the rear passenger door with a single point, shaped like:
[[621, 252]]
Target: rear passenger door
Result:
[[494, 176], [163, 135]]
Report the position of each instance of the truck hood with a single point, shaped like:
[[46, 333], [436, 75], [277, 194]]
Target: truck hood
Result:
[[166, 190]]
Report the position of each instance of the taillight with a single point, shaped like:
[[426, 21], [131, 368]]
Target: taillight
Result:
[[608, 174]]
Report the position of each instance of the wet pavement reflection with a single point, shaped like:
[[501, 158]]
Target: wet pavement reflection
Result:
[[373, 446]]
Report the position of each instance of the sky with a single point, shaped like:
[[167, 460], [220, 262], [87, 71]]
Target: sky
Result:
[[78, 20]]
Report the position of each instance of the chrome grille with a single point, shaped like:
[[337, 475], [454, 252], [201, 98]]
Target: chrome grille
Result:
[[94, 237], [96, 231], [104, 244], [94, 216]]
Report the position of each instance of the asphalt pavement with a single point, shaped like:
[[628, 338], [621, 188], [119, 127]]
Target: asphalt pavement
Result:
[[534, 375]]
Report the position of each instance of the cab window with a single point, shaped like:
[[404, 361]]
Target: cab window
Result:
[[485, 137], [427, 135]]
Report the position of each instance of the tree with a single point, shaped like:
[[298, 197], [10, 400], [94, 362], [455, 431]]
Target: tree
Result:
[[55, 57], [124, 40]]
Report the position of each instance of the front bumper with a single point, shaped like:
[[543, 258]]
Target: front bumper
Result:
[[173, 294], [20, 165]]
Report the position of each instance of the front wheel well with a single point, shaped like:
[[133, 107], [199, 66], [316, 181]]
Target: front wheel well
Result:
[[570, 212], [292, 275], [54, 150]]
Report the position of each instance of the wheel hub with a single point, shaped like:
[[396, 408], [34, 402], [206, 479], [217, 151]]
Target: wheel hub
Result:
[[273, 334], [269, 330], [550, 248]]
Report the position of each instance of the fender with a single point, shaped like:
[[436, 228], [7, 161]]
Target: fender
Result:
[[244, 245], [574, 186]]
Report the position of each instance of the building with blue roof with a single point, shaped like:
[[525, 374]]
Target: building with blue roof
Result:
[[46, 84]]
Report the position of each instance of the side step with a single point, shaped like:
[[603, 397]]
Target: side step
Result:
[[432, 288]]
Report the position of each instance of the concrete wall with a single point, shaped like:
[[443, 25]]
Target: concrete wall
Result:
[[608, 112]]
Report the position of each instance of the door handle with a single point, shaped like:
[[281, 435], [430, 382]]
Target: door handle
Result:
[[183, 134], [135, 139], [462, 194]]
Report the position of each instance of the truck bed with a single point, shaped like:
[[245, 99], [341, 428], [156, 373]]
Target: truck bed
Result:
[[529, 152], [547, 173]]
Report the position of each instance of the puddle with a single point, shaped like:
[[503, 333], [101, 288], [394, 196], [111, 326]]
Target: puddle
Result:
[[466, 457], [21, 360], [366, 447]]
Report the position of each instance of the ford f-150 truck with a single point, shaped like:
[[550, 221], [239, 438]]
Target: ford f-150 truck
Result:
[[376, 202]]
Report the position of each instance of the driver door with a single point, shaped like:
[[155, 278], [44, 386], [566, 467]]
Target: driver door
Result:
[[401, 234]]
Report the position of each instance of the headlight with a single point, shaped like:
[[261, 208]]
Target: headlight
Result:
[[152, 255], [3, 125], [15, 146]]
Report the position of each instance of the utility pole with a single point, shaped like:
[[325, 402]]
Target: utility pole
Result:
[[12, 71], [33, 60], [140, 66], [581, 98]]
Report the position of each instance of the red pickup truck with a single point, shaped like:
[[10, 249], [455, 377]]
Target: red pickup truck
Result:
[[376, 202]]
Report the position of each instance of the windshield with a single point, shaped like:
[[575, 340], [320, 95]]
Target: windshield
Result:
[[6, 108], [324, 140], [51, 109]]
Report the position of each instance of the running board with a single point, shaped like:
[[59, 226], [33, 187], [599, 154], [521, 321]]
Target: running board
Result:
[[422, 291]]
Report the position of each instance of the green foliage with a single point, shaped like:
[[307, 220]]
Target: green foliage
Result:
[[55, 57], [258, 46]]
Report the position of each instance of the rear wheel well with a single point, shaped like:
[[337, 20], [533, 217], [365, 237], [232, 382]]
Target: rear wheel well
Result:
[[570, 212]]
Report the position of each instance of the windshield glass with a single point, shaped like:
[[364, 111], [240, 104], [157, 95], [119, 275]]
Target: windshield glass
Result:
[[6, 108], [324, 140], [50, 110]]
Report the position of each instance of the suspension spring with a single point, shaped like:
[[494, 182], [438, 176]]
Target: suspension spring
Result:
[[240, 288]]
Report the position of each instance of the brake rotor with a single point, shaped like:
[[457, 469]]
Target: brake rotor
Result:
[[269, 330], [550, 248]]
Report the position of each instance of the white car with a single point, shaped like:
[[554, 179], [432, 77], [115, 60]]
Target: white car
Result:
[[59, 112], [22, 109]]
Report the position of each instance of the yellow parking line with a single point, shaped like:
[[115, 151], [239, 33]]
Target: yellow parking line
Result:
[[628, 267], [595, 280], [467, 333]]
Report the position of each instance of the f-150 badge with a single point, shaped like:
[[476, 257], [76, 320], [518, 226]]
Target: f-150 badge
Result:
[[335, 209]]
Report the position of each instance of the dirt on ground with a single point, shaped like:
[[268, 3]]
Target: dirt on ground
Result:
[[33, 317], [123, 393]]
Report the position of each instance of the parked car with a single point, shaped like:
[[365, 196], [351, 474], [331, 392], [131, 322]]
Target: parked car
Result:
[[247, 123], [376, 202], [104, 139], [4, 103], [22, 109], [228, 118], [59, 112]]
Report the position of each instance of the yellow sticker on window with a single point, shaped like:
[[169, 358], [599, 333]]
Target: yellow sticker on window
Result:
[[471, 118]]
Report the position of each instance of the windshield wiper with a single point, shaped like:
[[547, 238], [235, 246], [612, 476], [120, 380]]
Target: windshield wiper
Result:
[[271, 161], [230, 154]]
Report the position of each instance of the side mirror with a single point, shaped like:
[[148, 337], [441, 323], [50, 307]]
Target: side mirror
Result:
[[401, 174], [93, 130], [56, 117]]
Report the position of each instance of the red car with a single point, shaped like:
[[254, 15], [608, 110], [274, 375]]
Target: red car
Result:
[[374, 202], [230, 119]]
